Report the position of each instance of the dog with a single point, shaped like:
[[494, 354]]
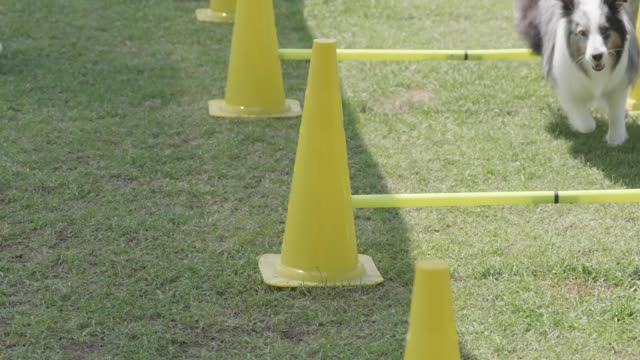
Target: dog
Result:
[[589, 52]]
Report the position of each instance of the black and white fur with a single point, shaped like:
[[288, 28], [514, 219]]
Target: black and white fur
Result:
[[589, 52]]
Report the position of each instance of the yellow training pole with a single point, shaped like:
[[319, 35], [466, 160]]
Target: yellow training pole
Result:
[[495, 198], [633, 101], [432, 325], [415, 55], [218, 11], [319, 244]]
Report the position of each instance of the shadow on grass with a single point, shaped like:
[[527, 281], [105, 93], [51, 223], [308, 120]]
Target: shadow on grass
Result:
[[84, 62], [330, 314], [618, 163], [123, 78]]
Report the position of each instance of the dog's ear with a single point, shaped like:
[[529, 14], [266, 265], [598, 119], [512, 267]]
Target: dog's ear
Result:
[[567, 6]]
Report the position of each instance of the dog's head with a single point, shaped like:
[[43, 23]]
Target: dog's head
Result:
[[596, 32]]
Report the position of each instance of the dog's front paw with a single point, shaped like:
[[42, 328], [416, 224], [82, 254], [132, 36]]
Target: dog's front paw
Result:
[[616, 138]]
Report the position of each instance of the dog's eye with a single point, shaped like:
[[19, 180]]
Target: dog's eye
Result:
[[583, 33], [605, 31]]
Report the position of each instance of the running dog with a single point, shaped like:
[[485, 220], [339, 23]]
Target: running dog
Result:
[[589, 53]]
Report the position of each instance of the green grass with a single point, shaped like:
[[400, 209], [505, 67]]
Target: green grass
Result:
[[130, 221]]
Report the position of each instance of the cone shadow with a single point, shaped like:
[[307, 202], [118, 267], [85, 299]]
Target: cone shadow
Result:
[[380, 233]]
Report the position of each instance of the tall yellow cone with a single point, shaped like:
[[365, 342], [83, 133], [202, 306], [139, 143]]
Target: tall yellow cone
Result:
[[319, 245], [254, 79], [432, 325], [218, 11], [633, 101]]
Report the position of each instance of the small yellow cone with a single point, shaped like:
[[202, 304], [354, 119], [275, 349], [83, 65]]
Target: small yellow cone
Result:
[[319, 245], [254, 79], [218, 11], [432, 326]]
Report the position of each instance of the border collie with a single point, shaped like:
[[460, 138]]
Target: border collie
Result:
[[589, 53]]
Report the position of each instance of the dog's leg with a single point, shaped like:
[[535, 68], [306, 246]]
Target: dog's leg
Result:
[[616, 102], [580, 118]]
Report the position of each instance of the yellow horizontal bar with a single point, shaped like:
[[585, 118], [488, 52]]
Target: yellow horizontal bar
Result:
[[415, 55], [495, 198]]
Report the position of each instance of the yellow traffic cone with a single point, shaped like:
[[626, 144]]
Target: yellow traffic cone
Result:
[[432, 325], [254, 79], [218, 11], [633, 101], [319, 245]]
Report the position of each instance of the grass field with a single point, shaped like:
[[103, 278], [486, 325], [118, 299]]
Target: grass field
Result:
[[131, 221]]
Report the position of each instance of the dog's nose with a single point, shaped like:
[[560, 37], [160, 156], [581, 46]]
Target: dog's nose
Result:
[[597, 57]]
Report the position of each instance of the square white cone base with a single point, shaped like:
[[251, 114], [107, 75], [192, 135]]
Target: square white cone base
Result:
[[267, 264], [219, 108], [207, 15]]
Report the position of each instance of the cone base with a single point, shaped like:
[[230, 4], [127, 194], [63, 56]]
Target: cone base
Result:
[[219, 108], [208, 15], [268, 262]]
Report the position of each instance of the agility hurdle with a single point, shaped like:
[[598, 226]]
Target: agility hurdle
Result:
[[244, 99], [415, 55], [319, 246]]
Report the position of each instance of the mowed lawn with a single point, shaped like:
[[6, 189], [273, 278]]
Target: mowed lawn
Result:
[[131, 221]]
